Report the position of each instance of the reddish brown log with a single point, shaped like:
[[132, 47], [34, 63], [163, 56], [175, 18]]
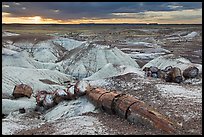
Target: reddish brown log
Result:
[[94, 94], [106, 101], [58, 99], [22, 90], [174, 75], [122, 103], [190, 72], [128, 107], [138, 112]]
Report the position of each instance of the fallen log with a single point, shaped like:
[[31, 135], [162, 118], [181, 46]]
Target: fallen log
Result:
[[177, 76], [139, 112], [129, 107], [190, 72], [122, 103], [174, 75], [94, 94], [105, 101]]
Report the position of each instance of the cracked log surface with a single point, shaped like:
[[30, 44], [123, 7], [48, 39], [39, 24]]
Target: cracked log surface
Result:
[[130, 108]]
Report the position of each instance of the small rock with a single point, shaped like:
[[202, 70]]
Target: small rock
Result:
[[21, 110]]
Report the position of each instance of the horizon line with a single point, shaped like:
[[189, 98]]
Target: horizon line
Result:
[[99, 24]]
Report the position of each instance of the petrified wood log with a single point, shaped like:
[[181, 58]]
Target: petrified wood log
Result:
[[106, 101], [94, 94], [174, 75], [177, 76], [139, 112], [22, 90], [130, 108], [190, 72], [122, 103]]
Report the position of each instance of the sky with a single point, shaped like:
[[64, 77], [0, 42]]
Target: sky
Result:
[[102, 12]]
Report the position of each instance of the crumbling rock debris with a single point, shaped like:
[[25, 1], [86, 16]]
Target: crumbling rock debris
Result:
[[60, 95], [63, 94], [22, 90], [128, 107], [71, 92], [40, 96], [80, 88], [46, 100]]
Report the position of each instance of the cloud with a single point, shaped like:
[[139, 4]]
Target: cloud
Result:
[[174, 6], [5, 6], [163, 15], [5, 14], [91, 9], [95, 10], [16, 3]]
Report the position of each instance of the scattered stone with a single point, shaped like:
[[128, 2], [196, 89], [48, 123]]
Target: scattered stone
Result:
[[3, 116], [21, 110]]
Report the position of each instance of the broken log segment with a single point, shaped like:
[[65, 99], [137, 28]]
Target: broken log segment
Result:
[[94, 94], [106, 101], [130, 108], [190, 72], [177, 76], [22, 90], [139, 112], [122, 103]]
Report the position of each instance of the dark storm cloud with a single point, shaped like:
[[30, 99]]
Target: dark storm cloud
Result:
[[78, 10]]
